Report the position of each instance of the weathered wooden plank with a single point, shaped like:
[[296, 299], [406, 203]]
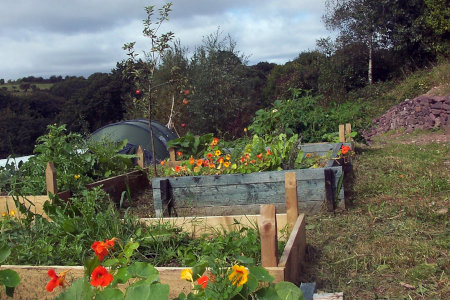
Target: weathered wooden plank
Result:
[[50, 179], [242, 194], [268, 193], [290, 187], [198, 226], [330, 199], [34, 203], [133, 182], [268, 234], [294, 252], [228, 179]]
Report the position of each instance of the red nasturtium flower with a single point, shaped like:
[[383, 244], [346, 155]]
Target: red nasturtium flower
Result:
[[259, 156], [203, 281], [345, 149], [101, 248], [179, 153], [57, 280], [177, 168], [101, 277], [209, 155], [220, 160]]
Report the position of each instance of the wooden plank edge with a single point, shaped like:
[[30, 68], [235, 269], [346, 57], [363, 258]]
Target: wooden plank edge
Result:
[[208, 224], [294, 251]]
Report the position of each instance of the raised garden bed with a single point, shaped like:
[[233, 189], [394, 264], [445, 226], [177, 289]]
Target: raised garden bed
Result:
[[288, 268], [234, 193]]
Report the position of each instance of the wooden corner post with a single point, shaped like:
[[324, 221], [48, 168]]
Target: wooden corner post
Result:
[[140, 158], [172, 154], [290, 186], [268, 233], [348, 132], [50, 179], [341, 133]]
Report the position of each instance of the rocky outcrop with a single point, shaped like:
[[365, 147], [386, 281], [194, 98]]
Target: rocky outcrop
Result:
[[423, 112]]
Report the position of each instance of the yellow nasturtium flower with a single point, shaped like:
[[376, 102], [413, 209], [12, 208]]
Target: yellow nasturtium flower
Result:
[[186, 274], [239, 276]]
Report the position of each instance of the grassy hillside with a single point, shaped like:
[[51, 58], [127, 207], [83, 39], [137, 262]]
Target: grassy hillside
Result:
[[14, 87], [393, 241], [383, 95]]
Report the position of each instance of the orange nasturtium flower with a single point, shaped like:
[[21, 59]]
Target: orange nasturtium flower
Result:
[[57, 280], [203, 281], [259, 156], [209, 155], [307, 154], [228, 156], [101, 277], [220, 160], [214, 142], [218, 152], [226, 164], [101, 249], [199, 162], [162, 162], [239, 276], [268, 152], [191, 160], [179, 153], [212, 166], [186, 274], [345, 149]]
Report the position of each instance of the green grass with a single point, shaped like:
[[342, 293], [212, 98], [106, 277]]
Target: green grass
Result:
[[394, 240], [15, 87]]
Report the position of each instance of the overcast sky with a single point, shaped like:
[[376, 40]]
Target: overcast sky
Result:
[[81, 37]]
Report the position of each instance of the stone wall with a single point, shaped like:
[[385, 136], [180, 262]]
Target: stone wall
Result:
[[423, 112]]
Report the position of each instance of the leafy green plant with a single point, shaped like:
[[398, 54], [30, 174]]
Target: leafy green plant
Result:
[[77, 162], [191, 145], [303, 115], [238, 282], [9, 279]]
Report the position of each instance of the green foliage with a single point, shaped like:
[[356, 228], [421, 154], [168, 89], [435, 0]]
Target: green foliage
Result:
[[9, 279], [217, 282], [303, 116], [77, 163], [191, 145]]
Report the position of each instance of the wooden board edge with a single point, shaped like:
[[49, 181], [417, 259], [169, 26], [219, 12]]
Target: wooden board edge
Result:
[[294, 252]]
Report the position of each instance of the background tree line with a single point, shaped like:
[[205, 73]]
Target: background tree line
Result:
[[376, 41]]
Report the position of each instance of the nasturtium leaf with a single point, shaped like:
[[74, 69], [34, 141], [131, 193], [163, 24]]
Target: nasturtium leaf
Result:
[[110, 262], [5, 251], [137, 292], [267, 293], [129, 249], [252, 283], [9, 278], [159, 291], [142, 269], [288, 291], [261, 274], [122, 275], [80, 289], [109, 294]]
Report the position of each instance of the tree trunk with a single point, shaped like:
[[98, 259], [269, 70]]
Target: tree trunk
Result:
[[369, 71]]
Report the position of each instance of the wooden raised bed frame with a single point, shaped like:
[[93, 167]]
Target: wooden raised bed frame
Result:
[[287, 268]]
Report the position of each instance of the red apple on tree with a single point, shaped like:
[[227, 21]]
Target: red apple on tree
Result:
[[185, 101], [183, 125], [138, 92]]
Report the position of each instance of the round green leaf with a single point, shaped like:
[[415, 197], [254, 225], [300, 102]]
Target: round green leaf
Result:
[[109, 294], [5, 251], [288, 291], [9, 278]]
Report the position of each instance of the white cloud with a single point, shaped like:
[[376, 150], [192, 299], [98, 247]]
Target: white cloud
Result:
[[51, 37]]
